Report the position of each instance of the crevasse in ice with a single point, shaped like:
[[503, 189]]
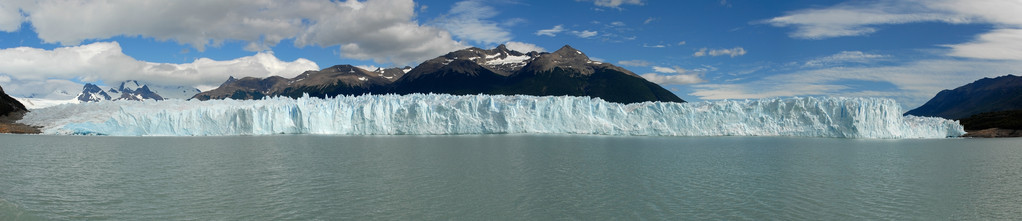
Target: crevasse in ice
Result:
[[493, 114]]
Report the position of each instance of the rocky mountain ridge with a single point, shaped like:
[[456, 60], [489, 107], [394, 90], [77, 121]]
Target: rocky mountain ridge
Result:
[[11, 110], [9, 105], [984, 95], [566, 71], [133, 90], [988, 107]]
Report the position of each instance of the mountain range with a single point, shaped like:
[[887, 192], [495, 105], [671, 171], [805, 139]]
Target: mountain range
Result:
[[134, 90], [984, 95], [566, 71], [988, 107]]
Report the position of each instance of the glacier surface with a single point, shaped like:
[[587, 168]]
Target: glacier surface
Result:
[[493, 114]]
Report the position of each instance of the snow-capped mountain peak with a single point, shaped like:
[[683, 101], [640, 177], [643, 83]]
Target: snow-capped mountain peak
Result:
[[500, 60], [92, 93], [134, 90], [130, 85], [174, 92]]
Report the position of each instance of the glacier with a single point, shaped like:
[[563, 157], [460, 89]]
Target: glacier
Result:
[[437, 114]]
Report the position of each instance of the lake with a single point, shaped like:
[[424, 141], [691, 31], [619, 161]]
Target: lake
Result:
[[500, 177]]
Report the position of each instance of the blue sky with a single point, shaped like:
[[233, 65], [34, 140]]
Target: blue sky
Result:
[[701, 50]]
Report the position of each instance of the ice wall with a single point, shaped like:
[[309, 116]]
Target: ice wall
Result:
[[493, 114]]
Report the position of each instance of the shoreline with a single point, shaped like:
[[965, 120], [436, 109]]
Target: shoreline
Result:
[[9, 125], [993, 133]]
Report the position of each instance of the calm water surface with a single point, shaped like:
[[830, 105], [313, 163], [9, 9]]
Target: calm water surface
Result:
[[518, 177]]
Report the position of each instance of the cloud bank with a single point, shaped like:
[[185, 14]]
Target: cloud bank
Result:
[[468, 20], [523, 47], [911, 83], [866, 17], [384, 31], [30, 70]]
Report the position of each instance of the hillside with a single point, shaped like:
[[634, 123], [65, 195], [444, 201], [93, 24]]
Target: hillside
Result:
[[10, 112], [985, 95]]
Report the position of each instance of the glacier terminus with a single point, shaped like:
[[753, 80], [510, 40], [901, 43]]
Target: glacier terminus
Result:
[[440, 114]]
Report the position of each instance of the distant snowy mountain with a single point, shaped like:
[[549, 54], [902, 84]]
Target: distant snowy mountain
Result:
[[134, 90], [92, 93], [174, 92]]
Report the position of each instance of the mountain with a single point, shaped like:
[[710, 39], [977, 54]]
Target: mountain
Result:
[[332, 81], [999, 119], [134, 90], [566, 71], [169, 92], [468, 71], [994, 124], [9, 105], [10, 112], [92, 93], [985, 95]]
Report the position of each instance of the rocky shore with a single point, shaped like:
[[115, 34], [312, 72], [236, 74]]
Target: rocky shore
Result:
[[993, 133], [9, 125], [10, 112], [994, 124]]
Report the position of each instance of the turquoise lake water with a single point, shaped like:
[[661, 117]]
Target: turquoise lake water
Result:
[[501, 177]]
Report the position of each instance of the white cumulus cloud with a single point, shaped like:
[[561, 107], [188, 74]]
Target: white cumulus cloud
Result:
[[10, 17], [523, 47], [381, 30], [467, 20]]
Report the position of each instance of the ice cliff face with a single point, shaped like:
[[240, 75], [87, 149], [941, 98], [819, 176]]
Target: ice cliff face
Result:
[[486, 114]]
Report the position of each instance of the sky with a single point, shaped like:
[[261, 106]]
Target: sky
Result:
[[907, 50]]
